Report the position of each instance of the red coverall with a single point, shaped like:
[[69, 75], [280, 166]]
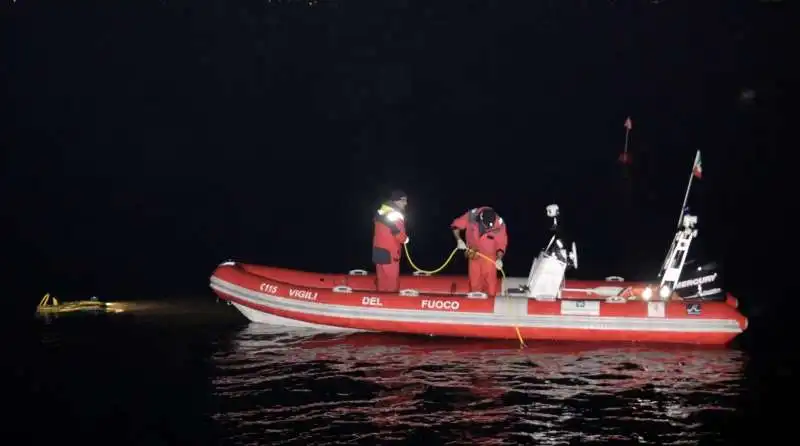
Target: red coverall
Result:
[[388, 238], [482, 272]]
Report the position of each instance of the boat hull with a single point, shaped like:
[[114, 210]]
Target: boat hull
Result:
[[360, 280], [340, 307]]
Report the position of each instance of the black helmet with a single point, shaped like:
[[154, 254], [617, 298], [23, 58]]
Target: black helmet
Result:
[[397, 195], [487, 217]]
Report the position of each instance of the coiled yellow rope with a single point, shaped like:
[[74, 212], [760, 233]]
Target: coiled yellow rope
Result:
[[447, 262]]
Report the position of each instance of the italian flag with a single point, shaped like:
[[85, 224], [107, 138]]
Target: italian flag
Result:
[[697, 168]]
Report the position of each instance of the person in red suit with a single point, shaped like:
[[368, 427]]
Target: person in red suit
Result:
[[486, 234], [388, 237]]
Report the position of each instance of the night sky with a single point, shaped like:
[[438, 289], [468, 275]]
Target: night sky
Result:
[[145, 142]]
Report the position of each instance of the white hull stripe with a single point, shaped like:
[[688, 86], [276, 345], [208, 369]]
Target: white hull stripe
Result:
[[487, 319]]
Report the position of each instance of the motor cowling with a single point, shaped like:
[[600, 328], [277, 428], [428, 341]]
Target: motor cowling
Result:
[[701, 280]]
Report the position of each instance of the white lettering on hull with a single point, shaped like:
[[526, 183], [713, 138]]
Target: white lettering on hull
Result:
[[449, 305], [268, 288], [371, 301], [303, 294]]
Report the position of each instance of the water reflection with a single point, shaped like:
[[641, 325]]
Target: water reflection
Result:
[[301, 386]]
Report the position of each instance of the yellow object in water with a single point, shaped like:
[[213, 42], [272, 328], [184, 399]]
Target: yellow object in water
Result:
[[51, 305]]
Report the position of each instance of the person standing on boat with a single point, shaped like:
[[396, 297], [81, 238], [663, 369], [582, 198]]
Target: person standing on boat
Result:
[[486, 234], [389, 236]]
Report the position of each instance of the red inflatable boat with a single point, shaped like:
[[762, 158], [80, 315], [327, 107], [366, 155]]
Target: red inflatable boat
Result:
[[543, 306]]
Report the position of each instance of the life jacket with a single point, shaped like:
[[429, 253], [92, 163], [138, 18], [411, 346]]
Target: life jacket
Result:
[[389, 234]]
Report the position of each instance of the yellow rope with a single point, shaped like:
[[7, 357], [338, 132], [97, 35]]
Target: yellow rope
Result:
[[450, 259], [446, 262]]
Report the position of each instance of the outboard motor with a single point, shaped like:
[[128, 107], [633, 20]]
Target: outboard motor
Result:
[[704, 281], [546, 277]]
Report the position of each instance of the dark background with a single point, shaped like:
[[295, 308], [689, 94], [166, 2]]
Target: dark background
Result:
[[145, 142]]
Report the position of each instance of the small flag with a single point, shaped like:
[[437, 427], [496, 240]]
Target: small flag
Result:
[[697, 168], [628, 123]]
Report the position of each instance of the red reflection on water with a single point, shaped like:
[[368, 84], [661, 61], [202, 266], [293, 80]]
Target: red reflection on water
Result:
[[472, 377], [491, 366]]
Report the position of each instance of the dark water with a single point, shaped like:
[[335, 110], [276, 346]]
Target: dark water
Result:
[[200, 374]]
